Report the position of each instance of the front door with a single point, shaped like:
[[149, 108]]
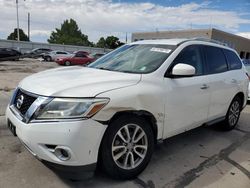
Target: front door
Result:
[[187, 98]]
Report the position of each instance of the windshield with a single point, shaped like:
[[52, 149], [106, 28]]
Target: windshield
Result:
[[137, 58]]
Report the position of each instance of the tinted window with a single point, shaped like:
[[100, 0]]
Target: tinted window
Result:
[[61, 53], [191, 55], [216, 60], [233, 60], [45, 50], [80, 55]]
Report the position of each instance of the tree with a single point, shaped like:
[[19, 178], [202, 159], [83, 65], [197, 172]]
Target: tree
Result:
[[69, 33], [101, 43], [111, 42], [13, 35]]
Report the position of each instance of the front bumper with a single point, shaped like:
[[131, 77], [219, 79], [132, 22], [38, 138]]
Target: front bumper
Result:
[[81, 139], [72, 172]]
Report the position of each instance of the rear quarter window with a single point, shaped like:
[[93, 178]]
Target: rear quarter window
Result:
[[233, 60]]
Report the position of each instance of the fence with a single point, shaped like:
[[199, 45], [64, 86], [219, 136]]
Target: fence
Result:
[[26, 46]]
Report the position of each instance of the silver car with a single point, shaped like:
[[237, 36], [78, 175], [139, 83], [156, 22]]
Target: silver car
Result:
[[53, 55]]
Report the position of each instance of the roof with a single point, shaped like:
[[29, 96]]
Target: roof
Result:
[[162, 41], [178, 41]]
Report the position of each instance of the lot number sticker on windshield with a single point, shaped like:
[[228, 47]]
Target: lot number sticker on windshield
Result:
[[161, 50]]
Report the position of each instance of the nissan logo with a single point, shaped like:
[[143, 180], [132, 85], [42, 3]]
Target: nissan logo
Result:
[[19, 101]]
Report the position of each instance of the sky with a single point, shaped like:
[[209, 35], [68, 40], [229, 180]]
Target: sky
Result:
[[101, 18]]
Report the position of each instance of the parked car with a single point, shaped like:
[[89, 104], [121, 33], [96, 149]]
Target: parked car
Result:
[[246, 61], [81, 51], [116, 109], [247, 65], [78, 58], [53, 55], [9, 54], [37, 52]]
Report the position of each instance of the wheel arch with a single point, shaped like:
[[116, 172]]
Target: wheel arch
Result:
[[242, 97], [149, 117]]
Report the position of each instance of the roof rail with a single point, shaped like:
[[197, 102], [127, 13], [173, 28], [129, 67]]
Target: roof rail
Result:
[[206, 40]]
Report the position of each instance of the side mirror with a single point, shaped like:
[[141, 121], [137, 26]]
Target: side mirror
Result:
[[183, 70]]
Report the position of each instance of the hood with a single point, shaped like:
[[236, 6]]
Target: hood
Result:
[[77, 82]]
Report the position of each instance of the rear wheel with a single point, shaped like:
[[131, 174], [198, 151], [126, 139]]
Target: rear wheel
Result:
[[233, 114], [67, 63], [127, 147]]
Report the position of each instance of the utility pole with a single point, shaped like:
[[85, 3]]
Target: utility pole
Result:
[[17, 18], [29, 26]]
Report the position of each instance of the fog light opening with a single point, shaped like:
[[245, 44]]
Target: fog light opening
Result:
[[62, 154]]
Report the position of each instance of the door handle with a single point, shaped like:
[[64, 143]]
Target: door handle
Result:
[[204, 86]]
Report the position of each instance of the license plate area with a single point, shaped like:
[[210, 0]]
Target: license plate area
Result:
[[12, 128]]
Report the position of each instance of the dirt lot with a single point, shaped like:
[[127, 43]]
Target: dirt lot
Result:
[[11, 72], [204, 157]]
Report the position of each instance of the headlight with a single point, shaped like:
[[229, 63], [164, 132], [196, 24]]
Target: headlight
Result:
[[67, 108]]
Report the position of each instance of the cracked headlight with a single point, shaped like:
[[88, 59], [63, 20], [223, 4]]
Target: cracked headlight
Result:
[[68, 108]]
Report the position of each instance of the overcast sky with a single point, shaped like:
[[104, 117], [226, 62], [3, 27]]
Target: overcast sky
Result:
[[98, 18]]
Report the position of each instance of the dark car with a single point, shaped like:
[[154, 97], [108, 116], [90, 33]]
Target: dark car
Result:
[[37, 52], [9, 54], [78, 58]]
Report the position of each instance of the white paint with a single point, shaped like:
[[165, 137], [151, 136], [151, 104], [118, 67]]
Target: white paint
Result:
[[177, 104]]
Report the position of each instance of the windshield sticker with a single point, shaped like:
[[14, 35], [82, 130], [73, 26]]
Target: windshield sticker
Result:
[[161, 50], [143, 68]]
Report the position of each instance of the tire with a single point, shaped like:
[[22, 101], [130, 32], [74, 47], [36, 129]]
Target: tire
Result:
[[67, 63], [117, 154], [233, 114], [48, 58]]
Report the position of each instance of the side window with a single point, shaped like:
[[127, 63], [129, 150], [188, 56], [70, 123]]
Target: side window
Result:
[[191, 55], [80, 55], [61, 53], [233, 60], [216, 61]]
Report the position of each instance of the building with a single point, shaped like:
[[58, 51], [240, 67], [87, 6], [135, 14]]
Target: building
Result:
[[240, 44]]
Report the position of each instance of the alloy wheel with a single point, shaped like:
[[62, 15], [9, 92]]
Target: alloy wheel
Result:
[[129, 146], [234, 113]]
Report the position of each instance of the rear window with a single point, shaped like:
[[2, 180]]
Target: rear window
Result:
[[216, 61], [233, 60]]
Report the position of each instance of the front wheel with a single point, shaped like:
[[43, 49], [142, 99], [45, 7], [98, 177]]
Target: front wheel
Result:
[[67, 63], [233, 114], [127, 147]]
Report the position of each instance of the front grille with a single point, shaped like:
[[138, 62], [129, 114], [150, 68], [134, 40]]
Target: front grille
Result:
[[27, 101]]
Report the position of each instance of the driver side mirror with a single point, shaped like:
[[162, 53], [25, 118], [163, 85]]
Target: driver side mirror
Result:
[[183, 70]]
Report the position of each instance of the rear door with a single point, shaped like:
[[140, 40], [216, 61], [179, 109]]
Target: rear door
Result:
[[187, 98], [220, 81]]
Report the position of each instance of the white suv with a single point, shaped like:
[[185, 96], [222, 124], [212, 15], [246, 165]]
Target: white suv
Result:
[[117, 108]]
